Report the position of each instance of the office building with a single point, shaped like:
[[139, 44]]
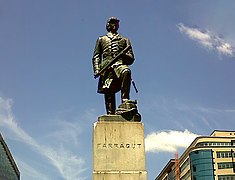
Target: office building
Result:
[[207, 158]]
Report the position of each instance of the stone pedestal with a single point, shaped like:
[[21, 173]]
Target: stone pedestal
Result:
[[118, 150]]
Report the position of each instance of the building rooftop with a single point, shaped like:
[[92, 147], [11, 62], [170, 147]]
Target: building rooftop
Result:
[[223, 133]]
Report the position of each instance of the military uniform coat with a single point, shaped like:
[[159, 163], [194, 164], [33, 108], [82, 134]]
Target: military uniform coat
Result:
[[106, 48]]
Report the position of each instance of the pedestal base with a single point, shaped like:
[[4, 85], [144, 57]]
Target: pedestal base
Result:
[[118, 151], [120, 175]]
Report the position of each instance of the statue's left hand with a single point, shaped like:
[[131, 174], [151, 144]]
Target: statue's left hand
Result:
[[96, 74]]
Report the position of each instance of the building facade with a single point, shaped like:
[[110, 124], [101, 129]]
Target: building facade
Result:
[[207, 158], [8, 168]]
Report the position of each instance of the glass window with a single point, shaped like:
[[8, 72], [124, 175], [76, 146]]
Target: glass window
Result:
[[224, 154], [226, 177], [202, 166], [211, 143], [186, 176], [226, 165], [185, 164]]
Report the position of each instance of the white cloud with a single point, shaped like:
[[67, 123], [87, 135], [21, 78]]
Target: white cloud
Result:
[[69, 165], [208, 40], [168, 141], [30, 172]]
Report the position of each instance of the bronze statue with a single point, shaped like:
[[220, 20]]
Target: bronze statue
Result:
[[111, 59]]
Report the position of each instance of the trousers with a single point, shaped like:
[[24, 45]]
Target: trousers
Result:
[[110, 100]]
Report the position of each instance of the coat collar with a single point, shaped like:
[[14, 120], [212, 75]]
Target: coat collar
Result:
[[113, 36]]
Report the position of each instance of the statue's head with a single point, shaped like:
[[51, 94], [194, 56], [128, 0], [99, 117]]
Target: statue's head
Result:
[[112, 24]]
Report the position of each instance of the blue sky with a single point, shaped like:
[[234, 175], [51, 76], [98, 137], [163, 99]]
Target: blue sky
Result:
[[184, 71]]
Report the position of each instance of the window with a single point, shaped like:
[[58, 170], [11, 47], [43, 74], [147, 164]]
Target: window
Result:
[[185, 164], [226, 165], [225, 144], [186, 176], [226, 177], [224, 154], [201, 163]]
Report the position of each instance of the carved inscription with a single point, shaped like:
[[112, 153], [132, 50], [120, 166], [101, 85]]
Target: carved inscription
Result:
[[118, 146]]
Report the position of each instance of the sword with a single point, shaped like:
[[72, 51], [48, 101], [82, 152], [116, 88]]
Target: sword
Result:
[[133, 83]]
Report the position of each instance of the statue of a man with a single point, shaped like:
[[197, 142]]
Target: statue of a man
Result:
[[118, 75]]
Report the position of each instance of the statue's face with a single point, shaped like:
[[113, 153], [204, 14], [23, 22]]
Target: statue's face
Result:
[[114, 26]]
